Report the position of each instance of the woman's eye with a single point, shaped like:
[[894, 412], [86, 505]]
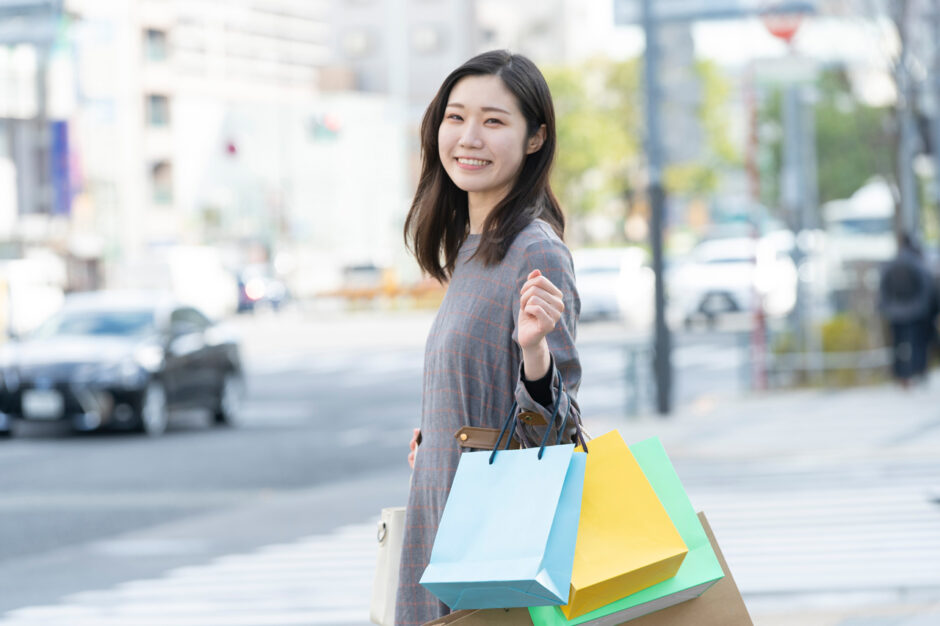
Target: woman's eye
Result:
[[494, 120], [454, 116]]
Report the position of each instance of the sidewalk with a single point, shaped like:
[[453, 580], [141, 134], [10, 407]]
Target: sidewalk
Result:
[[797, 422], [853, 474]]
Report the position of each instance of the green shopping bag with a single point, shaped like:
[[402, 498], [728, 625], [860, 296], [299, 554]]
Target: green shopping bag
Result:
[[698, 571]]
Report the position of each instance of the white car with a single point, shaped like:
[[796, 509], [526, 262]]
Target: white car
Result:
[[615, 283], [730, 275]]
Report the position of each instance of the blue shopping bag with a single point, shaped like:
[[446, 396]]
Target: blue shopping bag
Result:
[[509, 527]]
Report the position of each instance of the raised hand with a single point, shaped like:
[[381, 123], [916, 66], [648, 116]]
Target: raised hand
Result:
[[540, 307]]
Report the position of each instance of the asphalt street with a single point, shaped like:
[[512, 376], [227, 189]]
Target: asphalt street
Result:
[[118, 528]]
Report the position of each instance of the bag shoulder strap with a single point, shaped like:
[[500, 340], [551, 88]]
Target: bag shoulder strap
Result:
[[481, 438]]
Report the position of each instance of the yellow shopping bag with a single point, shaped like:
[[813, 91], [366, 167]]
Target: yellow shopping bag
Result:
[[626, 541]]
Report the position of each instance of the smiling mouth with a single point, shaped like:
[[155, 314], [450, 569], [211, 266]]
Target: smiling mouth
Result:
[[472, 162]]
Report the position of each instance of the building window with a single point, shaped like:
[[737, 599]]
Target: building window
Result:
[[158, 110], [161, 182], [155, 45]]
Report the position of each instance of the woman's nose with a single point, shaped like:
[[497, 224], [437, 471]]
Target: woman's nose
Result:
[[470, 138]]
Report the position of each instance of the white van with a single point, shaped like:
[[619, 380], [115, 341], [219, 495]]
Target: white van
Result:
[[859, 231]]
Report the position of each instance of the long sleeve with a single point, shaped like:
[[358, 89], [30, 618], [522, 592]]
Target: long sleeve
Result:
[[541, 390], [553, 259]]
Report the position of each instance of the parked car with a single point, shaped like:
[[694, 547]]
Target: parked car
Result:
[[728, 275], [615, 283], [122, 360]]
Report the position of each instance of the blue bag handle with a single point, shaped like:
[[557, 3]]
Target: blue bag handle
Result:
[[561, 428], [512, 419]]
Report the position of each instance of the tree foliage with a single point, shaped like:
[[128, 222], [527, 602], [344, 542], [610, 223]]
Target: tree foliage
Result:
[[596, 109], [599, 116], [853, 140]]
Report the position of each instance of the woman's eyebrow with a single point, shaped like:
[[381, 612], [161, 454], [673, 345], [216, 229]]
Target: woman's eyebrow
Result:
[[497, 109]]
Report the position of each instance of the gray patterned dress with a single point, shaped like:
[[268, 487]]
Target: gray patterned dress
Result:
[[472, 374]]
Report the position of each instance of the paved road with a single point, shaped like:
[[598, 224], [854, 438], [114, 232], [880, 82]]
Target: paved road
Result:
[[253, 525], [330, 400]]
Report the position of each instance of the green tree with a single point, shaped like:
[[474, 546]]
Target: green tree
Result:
[[599, 117], [596, 119], [701, 177], [853, 140]]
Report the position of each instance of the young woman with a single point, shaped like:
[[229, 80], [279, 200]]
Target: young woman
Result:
[[485, 221]]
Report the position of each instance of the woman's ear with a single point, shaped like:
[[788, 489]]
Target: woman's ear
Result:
[[535, 141]]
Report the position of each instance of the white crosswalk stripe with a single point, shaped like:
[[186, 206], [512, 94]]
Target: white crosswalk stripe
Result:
[[319, 580], [827, 540], [358, 365], [801, 541]]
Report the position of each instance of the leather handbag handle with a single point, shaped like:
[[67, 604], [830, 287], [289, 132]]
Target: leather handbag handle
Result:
[[480, 438], [512, 419]]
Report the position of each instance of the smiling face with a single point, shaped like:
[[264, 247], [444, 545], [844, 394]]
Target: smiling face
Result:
[[482, 140]]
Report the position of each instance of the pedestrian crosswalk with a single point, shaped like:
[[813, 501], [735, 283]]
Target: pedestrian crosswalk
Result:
[[318, 580], [778, 543], [360, 365], [606, 357], [827, 540]]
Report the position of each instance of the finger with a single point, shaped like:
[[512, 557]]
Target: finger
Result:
[[552, 300], [546, 322], [544, 283], [547, 285], [533, 274], [548, 296], [550, 310]]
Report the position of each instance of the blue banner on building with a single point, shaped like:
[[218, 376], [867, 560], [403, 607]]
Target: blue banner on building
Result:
[[61, 168]]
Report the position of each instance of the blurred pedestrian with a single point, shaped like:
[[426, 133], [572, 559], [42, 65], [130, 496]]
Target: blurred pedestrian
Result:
[[484, 220], [908, 302]]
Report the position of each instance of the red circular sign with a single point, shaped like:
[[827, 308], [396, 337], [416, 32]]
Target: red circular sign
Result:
[[781, 25]]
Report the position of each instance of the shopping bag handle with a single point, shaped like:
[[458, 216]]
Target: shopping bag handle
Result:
[[561, 428], [512, 418]]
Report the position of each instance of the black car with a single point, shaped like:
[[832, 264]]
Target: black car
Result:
[[122, 360]]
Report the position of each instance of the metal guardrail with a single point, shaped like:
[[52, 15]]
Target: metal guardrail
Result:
[[780, 369], [814, 367], [827, 361]]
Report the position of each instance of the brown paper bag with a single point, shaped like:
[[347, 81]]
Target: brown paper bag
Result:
[[721, 605]]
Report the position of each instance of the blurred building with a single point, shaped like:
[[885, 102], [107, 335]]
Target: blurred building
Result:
[[285, 126], [403, 48], [554, 31], [170, 95]]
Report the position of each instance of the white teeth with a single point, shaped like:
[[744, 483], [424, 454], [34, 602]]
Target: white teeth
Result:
[[472, 162]]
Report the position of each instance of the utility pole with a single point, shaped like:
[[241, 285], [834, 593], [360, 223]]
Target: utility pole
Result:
[[907, 133], [935, 118], [657, 199], [673, 11]]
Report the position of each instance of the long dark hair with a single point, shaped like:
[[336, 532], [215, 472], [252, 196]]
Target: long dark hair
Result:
[[439, 220]]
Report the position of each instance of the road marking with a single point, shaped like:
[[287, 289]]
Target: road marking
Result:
[[57, 501], [322, 579], [881, 539], [361, 365]]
